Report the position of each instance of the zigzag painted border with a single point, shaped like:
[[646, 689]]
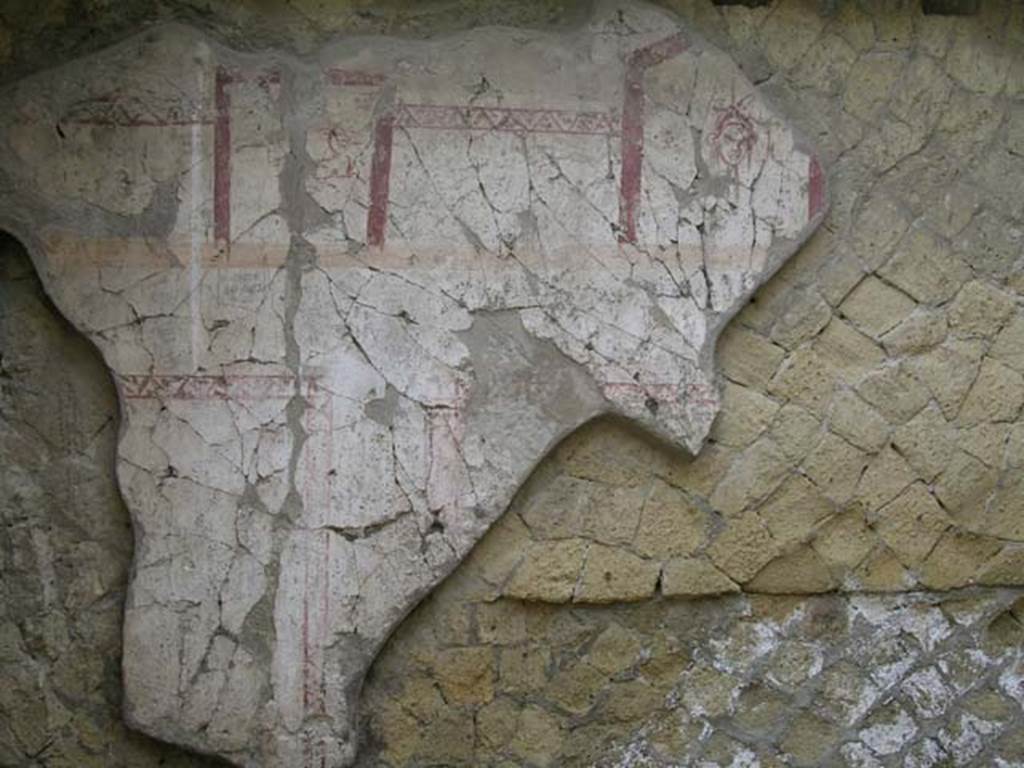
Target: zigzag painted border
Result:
[[505, 119], [194, 387]]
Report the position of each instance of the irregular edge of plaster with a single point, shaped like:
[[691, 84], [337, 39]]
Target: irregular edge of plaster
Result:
[[16, 220]]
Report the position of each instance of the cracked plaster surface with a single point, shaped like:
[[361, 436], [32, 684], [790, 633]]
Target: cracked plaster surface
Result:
[[350, 301]]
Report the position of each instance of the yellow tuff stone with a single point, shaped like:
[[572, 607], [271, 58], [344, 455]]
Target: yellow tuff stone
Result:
[[615, 575], [670, 524], [548, 572], [694, 577]]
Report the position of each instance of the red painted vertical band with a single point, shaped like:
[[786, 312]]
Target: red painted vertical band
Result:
[[325, 607], [633, 128], [815, 188], [380, 176], [305, 640], [632, 151], [222, 160]]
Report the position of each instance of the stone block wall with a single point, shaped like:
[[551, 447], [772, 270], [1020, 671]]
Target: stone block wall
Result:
[[65, 543], [551, 646], [635, 607], [909, 680]]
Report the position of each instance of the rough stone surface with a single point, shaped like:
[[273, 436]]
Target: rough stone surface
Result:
[[855, 680], [65, 544], [923, 159], [351, 300]]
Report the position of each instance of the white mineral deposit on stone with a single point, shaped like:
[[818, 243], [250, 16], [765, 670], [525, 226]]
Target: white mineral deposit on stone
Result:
[[1012, 681], [928, 691], [966, 739], [349, 302], [859, 756], [887, 738], [730, 654]]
